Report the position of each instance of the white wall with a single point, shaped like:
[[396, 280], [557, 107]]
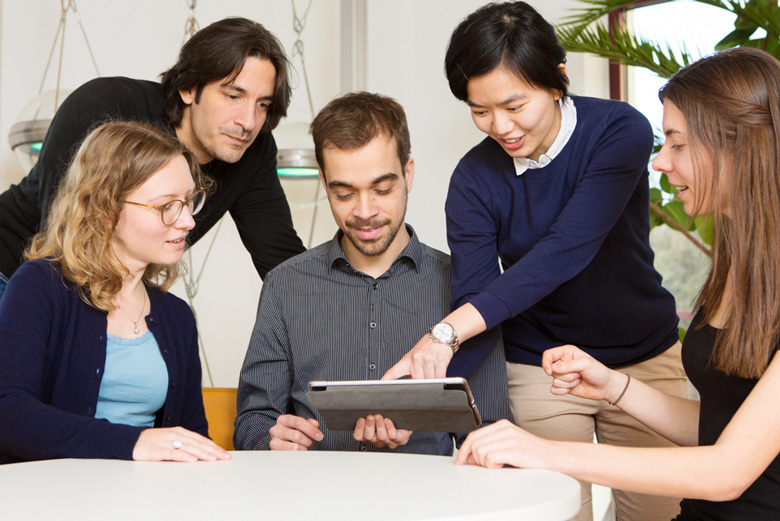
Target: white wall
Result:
[[406, 44], [407, 40]]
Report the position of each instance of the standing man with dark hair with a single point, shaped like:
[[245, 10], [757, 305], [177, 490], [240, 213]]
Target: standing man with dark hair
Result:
[[349, 308], [228, 90]]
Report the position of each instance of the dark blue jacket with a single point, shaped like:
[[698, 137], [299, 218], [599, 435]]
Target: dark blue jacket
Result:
[[52, 356]]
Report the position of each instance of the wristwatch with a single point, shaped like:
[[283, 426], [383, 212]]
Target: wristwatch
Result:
[[444, 333]]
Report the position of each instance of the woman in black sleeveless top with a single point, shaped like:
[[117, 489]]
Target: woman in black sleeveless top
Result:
[[722, 153]]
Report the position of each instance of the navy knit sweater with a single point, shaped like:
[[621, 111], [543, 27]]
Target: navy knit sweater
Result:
[[561, 254]]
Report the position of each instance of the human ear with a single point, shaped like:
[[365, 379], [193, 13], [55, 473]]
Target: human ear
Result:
[[409, 174], [558, 94], [187, 96]]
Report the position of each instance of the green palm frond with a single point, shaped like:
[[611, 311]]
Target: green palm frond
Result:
[[757, 13], [588, 15], [622, 46], [579, 32]]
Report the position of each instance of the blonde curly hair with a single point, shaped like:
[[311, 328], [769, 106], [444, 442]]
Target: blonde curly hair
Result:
[[114, 159]]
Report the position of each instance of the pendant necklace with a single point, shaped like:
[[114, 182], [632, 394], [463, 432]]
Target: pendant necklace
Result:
[[135, 322]]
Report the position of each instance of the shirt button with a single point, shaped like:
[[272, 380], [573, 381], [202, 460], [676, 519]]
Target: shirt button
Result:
[[173, 385], [363, 447], [165, 351], [151, 320], [372, 366], [373, 325], [376, 285], [168, 419]]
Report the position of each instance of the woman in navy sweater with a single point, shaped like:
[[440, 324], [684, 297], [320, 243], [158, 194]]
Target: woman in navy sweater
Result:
[[96, 359], [722, 153], [548, 227]]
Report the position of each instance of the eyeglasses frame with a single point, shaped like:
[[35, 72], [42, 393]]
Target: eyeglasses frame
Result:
[[184, 203]]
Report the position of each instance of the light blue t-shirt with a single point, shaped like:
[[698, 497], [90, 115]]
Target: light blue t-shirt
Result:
[[135, 381]]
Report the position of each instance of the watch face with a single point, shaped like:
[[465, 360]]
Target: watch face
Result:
[[443, 332]]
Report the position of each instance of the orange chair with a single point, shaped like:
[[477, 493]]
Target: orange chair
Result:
[[220, 405]]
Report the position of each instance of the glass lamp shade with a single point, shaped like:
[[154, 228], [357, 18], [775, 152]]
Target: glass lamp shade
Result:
[[296, 163], [27, 133], [295, 158]]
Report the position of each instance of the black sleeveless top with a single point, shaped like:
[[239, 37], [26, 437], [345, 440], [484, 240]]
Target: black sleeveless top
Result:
[[721, 396]]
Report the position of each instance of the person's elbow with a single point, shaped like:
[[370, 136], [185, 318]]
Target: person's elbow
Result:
[[727, 492], [730, 487]]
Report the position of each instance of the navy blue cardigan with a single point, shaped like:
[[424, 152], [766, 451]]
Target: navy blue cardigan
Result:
[[52, 356]]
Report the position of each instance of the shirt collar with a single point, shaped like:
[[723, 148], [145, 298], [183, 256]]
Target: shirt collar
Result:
[[412, 251], [568, 122]]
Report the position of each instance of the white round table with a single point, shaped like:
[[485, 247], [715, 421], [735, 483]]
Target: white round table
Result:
[[263, 485]]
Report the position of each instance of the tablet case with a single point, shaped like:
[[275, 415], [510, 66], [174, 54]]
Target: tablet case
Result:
[[443, 405]]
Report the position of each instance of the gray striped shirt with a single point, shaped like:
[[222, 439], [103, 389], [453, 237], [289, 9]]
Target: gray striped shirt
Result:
[[320, 319]]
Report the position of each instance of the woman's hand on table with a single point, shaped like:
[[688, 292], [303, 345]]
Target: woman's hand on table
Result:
[[176, 444], [504, 443]]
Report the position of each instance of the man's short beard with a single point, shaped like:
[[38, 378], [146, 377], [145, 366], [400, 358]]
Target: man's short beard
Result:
[[377, 246]]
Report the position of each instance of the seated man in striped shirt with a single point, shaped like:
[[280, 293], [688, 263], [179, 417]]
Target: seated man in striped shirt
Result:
[[350, 308]]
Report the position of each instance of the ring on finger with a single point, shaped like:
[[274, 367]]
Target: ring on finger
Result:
[[177, 444]]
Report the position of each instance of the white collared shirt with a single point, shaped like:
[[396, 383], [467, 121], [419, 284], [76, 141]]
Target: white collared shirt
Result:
[[568, 122]]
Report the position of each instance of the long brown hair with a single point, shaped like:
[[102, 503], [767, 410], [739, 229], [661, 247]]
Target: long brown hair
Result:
[[731, 103], [114, 159]]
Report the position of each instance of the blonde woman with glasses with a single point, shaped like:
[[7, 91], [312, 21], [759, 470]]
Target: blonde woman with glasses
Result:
[[97, 360]]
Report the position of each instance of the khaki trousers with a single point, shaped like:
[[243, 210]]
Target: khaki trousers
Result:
[[575, 419]]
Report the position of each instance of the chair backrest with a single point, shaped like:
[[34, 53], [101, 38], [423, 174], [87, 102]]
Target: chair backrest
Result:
[[220, 405]]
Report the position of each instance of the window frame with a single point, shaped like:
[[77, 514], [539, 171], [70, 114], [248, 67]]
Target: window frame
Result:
[[618, 88]]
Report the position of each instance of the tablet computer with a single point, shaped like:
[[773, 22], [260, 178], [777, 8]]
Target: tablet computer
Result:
[[437, 405]]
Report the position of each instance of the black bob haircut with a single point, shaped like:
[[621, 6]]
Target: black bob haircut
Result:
[[510, 34]]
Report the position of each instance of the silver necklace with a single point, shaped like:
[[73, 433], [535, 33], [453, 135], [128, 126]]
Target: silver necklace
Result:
[[135, 322]]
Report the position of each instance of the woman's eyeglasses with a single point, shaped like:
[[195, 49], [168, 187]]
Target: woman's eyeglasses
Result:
[[171, 211]]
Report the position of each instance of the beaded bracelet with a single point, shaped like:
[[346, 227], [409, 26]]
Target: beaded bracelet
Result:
[[621, 394]]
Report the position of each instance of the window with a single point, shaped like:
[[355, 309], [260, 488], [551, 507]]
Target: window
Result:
[[696, 27]]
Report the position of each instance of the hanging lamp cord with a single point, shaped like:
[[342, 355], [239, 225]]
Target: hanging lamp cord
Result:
[[190, 279], [191, 26], [65, 6], [299, 24]]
